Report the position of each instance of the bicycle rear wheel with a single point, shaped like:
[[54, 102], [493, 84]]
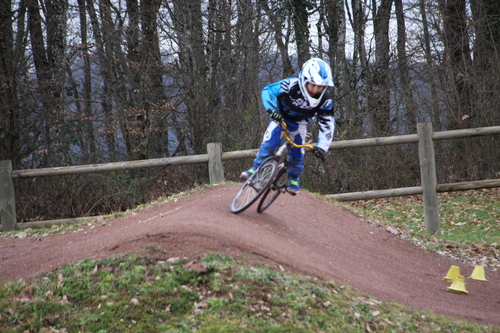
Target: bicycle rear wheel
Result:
[[254, 187], [273, 191]]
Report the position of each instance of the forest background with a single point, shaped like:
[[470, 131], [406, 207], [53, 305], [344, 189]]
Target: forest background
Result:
[[96, 81]]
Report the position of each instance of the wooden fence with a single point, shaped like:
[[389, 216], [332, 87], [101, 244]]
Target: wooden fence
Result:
[[425, 138]]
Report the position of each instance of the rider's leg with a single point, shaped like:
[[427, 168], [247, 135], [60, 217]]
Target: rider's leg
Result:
[[298, 133], [271, 142]]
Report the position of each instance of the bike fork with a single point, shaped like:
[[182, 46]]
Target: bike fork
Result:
[[279, 173]]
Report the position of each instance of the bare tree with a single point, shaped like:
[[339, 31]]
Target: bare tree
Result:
[[345, 93], [486, 60], [360, 75], [40, 59], [381, 98], [49, 55], [300, 17], [88, 114], [280, 25], [105, 56], [152, 74], [187, 21], [409, 116], [247, 97], [458, 56], [429, 77], [9, 110]]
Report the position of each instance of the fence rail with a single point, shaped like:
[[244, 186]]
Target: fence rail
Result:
[[415, 190], [214, 157]]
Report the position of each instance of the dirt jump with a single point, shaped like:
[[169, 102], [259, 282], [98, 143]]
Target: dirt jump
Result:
[[302, 234]]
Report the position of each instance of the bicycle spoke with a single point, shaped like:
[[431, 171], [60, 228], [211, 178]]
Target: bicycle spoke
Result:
[[273, 191], [246, 195]]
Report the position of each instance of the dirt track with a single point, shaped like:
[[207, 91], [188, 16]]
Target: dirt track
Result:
[[303, 234]]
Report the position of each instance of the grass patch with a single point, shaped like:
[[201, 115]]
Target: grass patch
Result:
[[138, 294]]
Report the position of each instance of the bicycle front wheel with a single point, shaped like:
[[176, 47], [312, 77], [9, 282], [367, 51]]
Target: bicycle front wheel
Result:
[[254, 187], [273, 191]]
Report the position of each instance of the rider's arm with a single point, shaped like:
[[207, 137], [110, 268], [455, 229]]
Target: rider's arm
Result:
[[270, 96], [326, 123]]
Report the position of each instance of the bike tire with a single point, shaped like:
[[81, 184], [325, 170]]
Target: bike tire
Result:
[[254, 187], [270, 195]]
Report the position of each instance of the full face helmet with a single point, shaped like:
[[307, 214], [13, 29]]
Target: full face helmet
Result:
[[318, 72]]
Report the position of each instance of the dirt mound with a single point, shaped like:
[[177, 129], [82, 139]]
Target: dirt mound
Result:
[[302, 234]]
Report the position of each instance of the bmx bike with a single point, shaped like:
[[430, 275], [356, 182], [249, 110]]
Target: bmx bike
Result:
[[268, 181]]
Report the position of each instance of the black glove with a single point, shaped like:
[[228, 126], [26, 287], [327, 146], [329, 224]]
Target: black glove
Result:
[[319, 153], [275, 115]]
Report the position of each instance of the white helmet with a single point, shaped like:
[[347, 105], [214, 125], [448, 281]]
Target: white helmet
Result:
[[318, 72]]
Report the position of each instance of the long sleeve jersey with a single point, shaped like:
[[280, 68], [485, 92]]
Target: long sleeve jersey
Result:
[[286, 97]]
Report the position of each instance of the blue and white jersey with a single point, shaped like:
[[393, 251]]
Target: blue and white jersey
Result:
[[286, 97]]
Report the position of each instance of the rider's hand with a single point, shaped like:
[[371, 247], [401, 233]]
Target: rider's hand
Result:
[[275, 115], [319, 153]]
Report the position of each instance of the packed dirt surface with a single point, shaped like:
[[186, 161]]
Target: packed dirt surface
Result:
[[302, 234]]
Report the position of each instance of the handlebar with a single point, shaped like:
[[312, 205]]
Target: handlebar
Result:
[[285, 133]]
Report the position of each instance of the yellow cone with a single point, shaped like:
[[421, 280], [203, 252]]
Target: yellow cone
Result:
[[478, 274], [453, 272], [458, 285]]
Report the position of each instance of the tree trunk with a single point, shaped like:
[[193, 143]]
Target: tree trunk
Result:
[[9, 110], [459, 61], [433, 105], [41, 62], [300, 19], [248, 101], [409, 116], [187, 17], [88, 116], [106, 61], [152, 79], [486, 63], [344, 94], [361, 68], [381, 91]]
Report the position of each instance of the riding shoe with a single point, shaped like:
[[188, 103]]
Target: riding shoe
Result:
[[293, 186], [247, 174]]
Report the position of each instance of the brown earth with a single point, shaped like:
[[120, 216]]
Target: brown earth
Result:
[[301, 234]]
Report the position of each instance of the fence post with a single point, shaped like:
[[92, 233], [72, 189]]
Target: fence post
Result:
[[428, 177], [215, 168], [7, 199]]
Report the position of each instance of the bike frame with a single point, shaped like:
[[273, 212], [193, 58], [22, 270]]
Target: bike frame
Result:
[[267, 178]]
